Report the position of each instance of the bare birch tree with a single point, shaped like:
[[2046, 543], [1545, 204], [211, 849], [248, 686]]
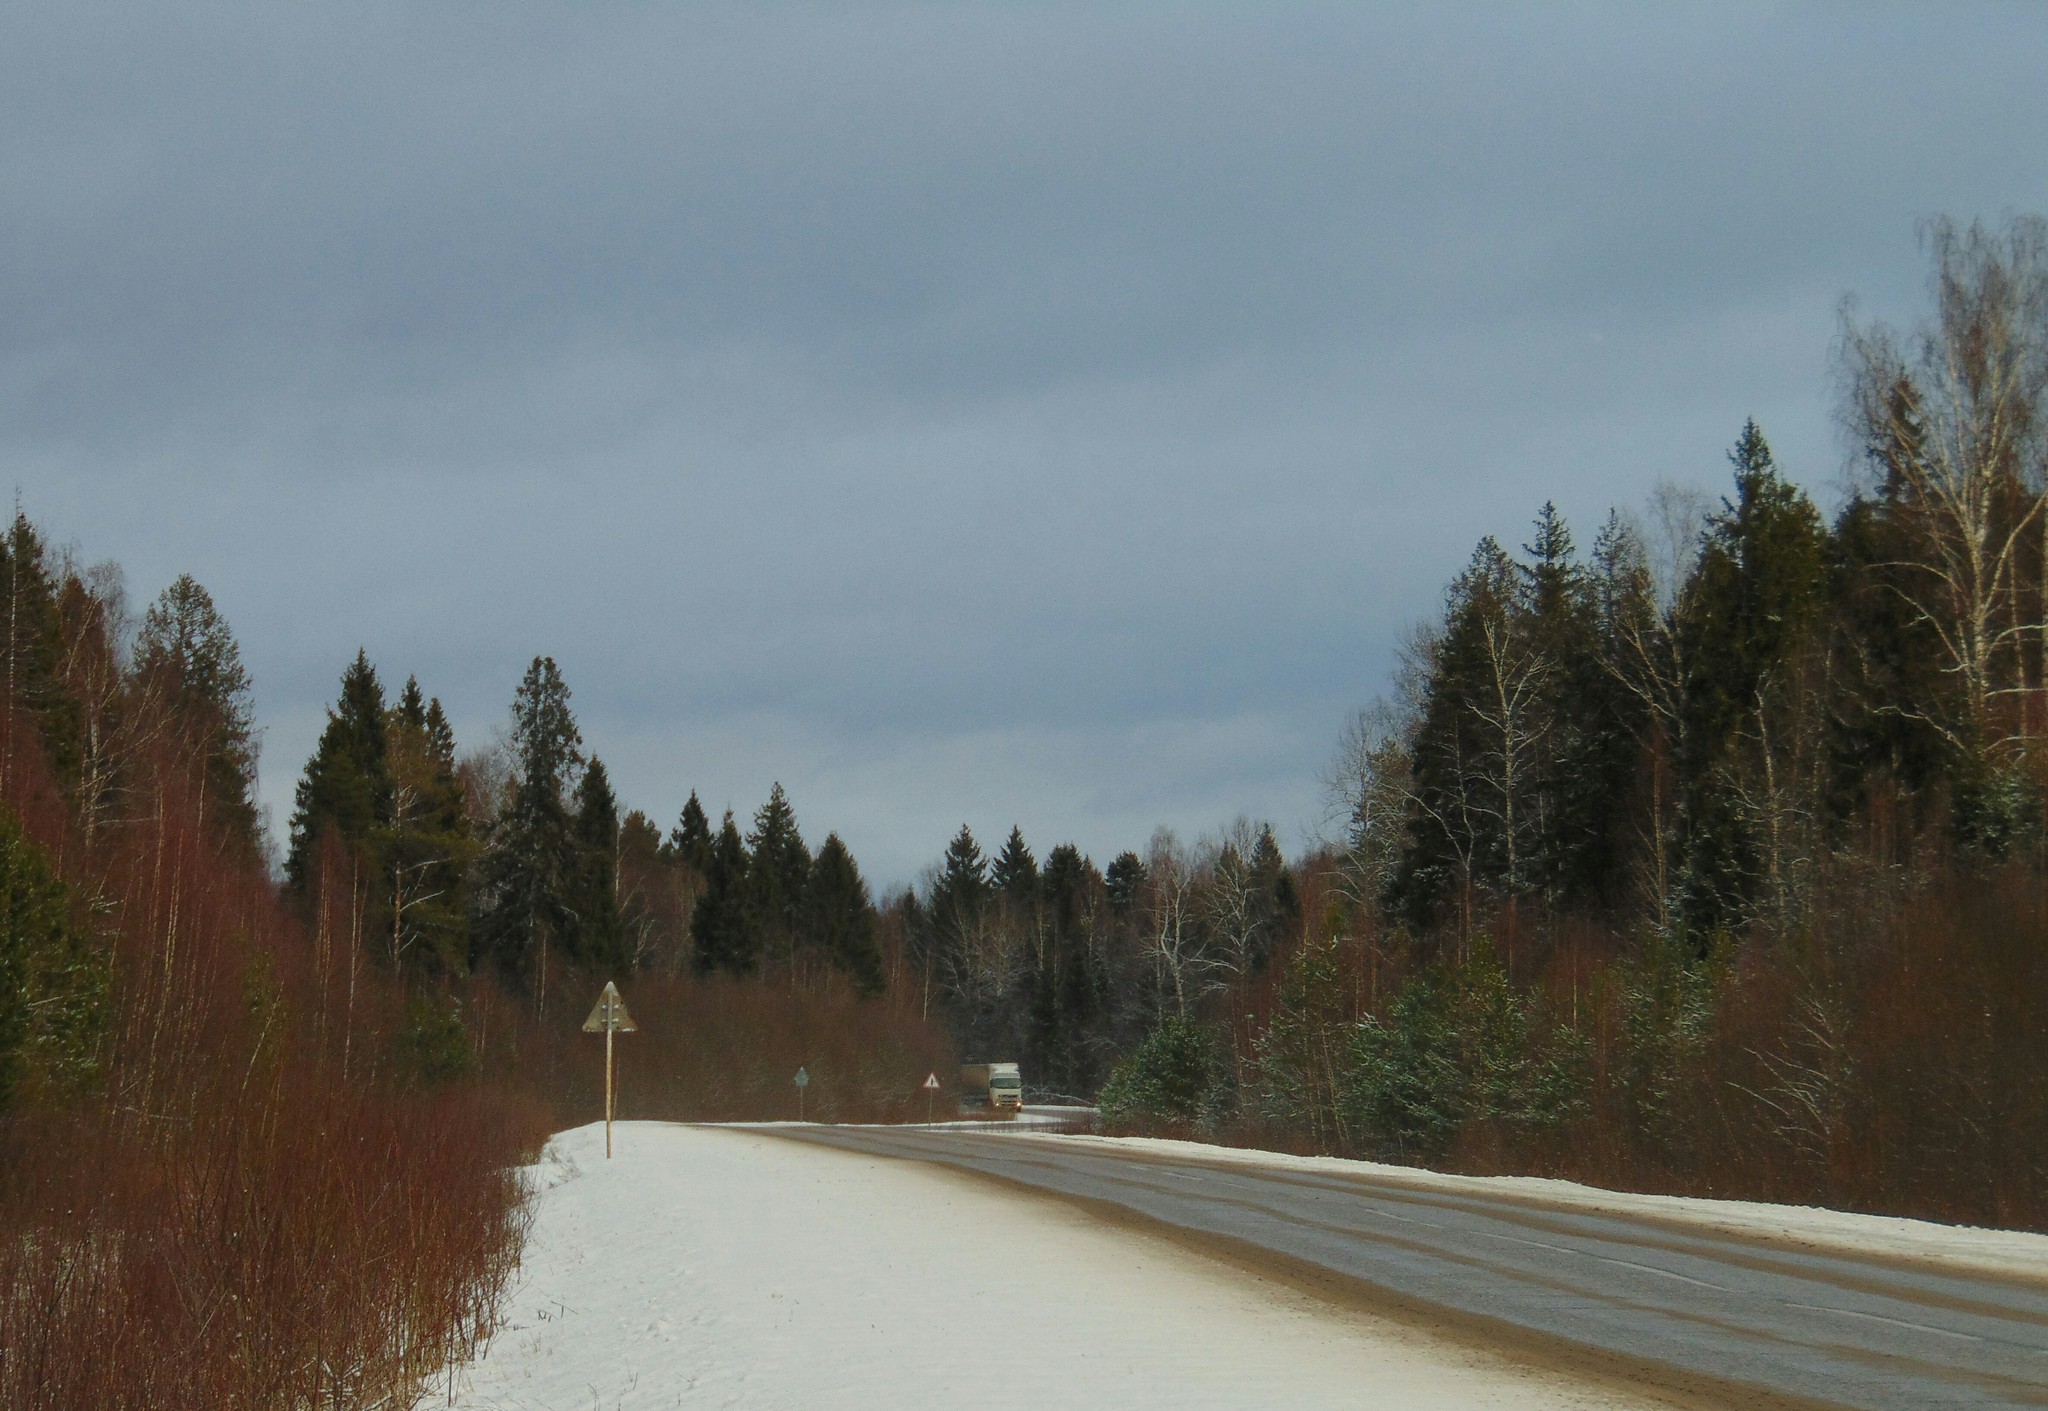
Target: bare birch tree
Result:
[[1641, 570], [1173, 939], [1952, 422]]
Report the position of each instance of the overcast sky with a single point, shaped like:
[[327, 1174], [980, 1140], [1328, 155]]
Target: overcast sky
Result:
[[1034, 413]]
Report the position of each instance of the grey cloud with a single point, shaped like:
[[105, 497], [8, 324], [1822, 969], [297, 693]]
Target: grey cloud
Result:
[[934, 407]]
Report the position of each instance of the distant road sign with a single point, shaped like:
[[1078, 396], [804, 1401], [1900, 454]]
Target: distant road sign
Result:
[[609, 1017], [803, 1079], [610, 1014], [932, 1081]]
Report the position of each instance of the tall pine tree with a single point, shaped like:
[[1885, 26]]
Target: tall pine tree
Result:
[[532, 866], [778, 870], [1757, 599], [1279, 901], [1585, 765], [597, 939], [690, 840], [1014, 873], [429, 847], [186, 658], [1476, 749], [841, 917], [346, 791], [723, 937], [31, 649]]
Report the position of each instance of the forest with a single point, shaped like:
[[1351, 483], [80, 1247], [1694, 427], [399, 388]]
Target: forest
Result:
[[260, 1126], [1710, 857]]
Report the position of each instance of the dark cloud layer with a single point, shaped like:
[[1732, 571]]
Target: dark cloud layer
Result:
[[1023, 412]]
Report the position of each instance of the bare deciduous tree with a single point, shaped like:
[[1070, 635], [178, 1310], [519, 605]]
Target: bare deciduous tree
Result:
[[1642, 568], [1952, 422], [1370, 791], [1511, 708], [1173, 940]]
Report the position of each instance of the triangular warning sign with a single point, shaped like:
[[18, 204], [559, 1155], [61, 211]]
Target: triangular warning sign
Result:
[[610, 1013], [931, 1080]]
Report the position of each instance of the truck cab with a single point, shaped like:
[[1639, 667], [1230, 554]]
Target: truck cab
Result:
[[997, 1086]]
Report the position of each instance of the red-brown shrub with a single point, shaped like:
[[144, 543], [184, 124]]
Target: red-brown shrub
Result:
[[249, 1210]]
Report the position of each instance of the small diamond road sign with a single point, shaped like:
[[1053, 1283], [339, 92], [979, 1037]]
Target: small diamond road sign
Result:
[[803, 1079]]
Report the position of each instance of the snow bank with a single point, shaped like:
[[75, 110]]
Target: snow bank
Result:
[[728, 1268], [1964, 1249]]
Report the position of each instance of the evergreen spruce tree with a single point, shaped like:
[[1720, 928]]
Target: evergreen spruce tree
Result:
[[1760, 589], [1893, 690], [1014, 886], [428, 847], [723, 937], [1072, 1011], [1586, 766], [1279, 902], [53, 981], [531, 869], [1515, 767], [186, 656], [346, 790], [1756, 601], [598, 938], [1474, 795], [411, 711], [1014, 873], [1125, 880], [690, 841], [962, 889], [952, 912], [653, 897], [841, 917], [778, 870], [31, 650], [1633, 712]]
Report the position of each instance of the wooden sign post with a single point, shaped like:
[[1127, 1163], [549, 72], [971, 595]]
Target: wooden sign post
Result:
[[931, 1092], [610, 1018]]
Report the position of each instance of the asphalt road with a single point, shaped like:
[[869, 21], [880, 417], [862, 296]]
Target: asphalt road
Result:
[[1713, 1319]]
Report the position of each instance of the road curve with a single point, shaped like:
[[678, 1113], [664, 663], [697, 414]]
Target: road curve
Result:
[[1715, 1319]]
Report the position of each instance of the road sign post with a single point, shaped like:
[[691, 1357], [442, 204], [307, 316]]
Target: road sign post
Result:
[[931, 1093], [803, 1080], [608, 1018]]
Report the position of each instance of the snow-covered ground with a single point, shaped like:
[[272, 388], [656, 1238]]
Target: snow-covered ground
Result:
[[730, 1268]]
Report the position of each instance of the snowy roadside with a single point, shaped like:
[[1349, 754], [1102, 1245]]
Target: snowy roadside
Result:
[[729, 1268], [1963, 1249]]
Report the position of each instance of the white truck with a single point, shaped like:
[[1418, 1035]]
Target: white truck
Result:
[[992, 1085]]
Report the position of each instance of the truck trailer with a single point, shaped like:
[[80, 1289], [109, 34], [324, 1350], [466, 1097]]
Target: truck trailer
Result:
[[992, 1085]]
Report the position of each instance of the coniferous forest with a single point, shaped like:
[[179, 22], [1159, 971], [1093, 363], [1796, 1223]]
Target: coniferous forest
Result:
[[1703, 850]]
